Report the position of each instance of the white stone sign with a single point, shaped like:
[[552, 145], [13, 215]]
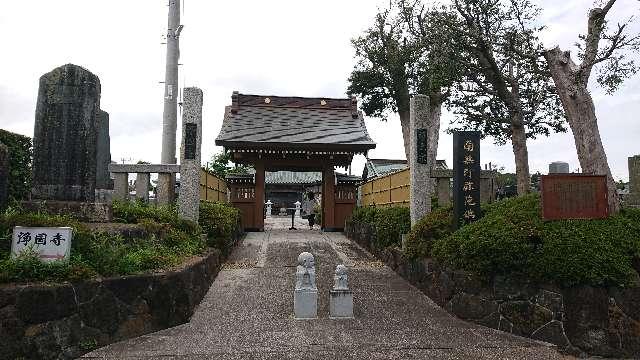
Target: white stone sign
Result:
[[51, 243]]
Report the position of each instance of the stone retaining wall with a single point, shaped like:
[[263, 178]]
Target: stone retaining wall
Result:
[[64, 321], [581, 320]]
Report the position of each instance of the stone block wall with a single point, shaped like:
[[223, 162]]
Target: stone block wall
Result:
[[67, 320], [581, 320]]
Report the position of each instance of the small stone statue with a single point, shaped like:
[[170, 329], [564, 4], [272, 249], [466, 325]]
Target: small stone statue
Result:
[[340, 278], [305, 296], [306, 271], [340, 297]]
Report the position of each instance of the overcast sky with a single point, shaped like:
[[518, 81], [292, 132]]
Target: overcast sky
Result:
[[295, 48]]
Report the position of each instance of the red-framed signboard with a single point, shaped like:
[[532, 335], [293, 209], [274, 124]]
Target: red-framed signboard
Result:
[[574, 196]]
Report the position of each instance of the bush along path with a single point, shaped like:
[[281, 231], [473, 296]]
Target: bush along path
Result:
[[142, 274], [574, 283]]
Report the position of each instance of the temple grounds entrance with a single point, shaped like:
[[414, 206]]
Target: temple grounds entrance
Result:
[[273, 133]]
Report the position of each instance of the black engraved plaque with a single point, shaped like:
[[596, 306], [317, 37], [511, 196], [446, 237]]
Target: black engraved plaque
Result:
[[190, 139]]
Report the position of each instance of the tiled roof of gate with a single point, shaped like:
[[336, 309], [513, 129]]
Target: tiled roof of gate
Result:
[[294, 177], [273, 121]]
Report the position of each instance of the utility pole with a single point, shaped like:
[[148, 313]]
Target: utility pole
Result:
[[170, 113]]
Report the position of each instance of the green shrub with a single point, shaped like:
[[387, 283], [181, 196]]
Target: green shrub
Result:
[[138, 211], [20, 155], [512, 239], [219, 221], [390, 223], [435, 225], [170, 240]]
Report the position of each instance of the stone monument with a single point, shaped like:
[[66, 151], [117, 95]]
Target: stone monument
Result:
[[297, 205], [633, 198], [305, 297], [422, 152], [65, 142], [269, 205], [103, 152], [189, 201], [340, 297], [558, 167], [4, 176], [65, 135]]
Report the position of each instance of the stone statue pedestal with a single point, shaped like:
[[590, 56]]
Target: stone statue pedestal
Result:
[[305, 303], [340, 304]]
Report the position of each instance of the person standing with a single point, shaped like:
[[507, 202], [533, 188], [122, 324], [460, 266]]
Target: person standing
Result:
[[309, 207]]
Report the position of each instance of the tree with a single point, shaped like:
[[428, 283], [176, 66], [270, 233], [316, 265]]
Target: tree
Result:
[[393, 63], [221, 165], [608, 50], [506, 90]]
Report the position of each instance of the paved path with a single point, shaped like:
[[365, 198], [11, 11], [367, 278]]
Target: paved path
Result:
[[248, 313]]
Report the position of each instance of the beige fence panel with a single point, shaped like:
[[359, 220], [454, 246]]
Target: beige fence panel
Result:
[[212, 188], [388, 190]]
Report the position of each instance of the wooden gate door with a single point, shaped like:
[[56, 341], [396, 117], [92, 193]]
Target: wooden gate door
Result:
[[243, 197], [345, 202]]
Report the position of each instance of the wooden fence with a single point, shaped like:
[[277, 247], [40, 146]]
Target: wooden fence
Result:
[[212, 188], [389, 190]]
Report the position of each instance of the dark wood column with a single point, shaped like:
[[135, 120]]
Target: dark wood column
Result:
[[259, 211], [328, 199]]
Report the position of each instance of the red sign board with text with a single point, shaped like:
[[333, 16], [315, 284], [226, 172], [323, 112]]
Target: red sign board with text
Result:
[[574, 196]]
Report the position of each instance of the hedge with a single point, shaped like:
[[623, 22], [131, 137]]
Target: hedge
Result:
[[221, 222], [390, 223], [512, 239], [20, 155]]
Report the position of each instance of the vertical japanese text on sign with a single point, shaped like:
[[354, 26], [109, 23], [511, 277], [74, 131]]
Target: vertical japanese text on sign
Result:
[[466, 178]]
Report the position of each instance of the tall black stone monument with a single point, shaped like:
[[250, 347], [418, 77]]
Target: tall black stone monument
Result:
[[65, 135], [466, 177]]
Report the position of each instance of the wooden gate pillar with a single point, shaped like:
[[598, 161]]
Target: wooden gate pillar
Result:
[[259, 210], [328, 199]]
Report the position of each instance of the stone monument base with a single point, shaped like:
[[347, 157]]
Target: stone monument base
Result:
[[305, 304], [83, 211], [340, 304]]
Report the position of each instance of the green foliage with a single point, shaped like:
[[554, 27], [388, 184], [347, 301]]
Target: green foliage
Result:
[[168, 241], [20, 155], [390, 223], [136, 212], [512, 239], [436, 225], [220, 222], [221, 165]]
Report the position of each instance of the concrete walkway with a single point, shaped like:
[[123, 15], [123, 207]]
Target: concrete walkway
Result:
[[248, 313]]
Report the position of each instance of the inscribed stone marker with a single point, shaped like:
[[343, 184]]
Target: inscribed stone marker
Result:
[[466, 177], [103, 151], [420, 171], [189, 201], [64, 140], [50, 244], [633, 199]]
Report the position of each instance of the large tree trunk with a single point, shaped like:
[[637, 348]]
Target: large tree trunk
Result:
[[581, 116], [406, 133], [521, 155]]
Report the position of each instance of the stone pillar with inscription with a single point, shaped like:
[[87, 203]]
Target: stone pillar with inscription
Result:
[[421, 147], [633, 199], [466, 177], [189, 201], [65, 135], [103, 151]]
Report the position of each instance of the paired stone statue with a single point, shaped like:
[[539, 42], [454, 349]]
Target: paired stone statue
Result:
[[305, 299]]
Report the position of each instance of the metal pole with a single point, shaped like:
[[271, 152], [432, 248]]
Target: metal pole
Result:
[[169, 115]]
